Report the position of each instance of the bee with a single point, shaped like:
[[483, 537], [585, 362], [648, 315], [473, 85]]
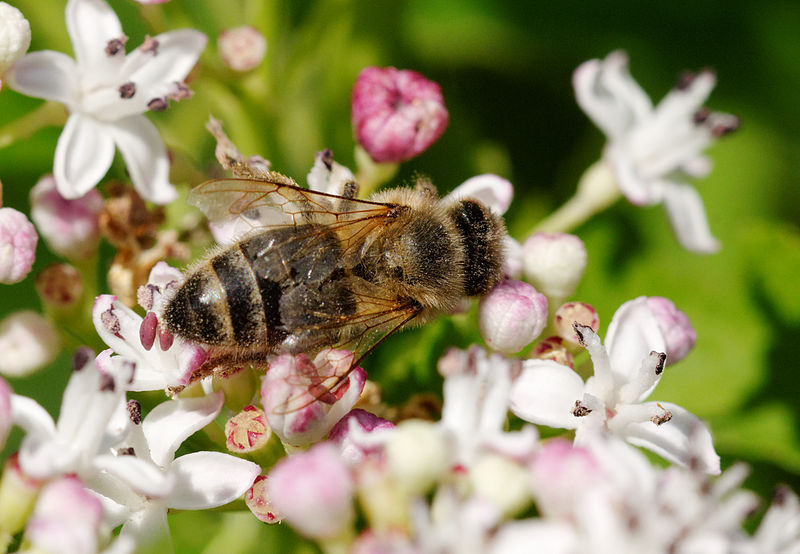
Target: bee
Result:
[[321, 270]]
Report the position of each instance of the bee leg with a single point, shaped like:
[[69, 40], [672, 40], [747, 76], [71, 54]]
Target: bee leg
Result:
[[349, 192]]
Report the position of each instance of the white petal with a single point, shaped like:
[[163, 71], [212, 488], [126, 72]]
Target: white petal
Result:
[[84, 153], [688, 218], [531, 536], [172, 422], [46, 74], [545, 393], [632, 334], [139, 474], [490, 189], [28, 414], [684, 439], [632, 184], [210, 479], [91, 24], [149, 529], [618, 81], [177, 52], [145, 156], [595, 103]]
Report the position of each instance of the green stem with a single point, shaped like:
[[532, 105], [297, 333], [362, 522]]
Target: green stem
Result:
[[48, 114], [597, 190]]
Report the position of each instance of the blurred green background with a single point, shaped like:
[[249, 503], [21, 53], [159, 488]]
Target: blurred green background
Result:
[[505, 70]]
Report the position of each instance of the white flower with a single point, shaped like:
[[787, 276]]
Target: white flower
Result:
[[106, 92], [197, 481], [650, 147], [626, 371]]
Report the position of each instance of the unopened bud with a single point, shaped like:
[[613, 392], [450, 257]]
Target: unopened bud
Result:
[[553, 348], [60, 286], [679, 335], [15, 35], [28, 342], [575, 312], [554, 263], [242, 48], [247, 431], [397, 114], [512, 315], [501, 481], [417, 455], [18, 240]]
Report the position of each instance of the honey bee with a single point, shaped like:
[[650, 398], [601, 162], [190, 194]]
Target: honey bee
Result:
[[322, 270]]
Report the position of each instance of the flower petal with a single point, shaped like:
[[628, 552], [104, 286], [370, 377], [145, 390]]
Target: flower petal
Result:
[[84, 153], [210, 479], [632, 334], [545, 393], [172, 422], [688, 219], [28, 414], [91, 24], [149, 529], [46, 74], [683, 439], [490, 189], [175, 56], [139, 474], [145, 156]]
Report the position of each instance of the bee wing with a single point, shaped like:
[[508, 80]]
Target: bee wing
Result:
[[277, 200], [375, 320]]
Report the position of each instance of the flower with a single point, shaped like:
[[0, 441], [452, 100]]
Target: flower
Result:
[[554, 263], [649, 148], [567, 315], [106, 92], [242, 48], [15, 36], [18, 241], [28, 342], [396, 114], [511, 316], [626, 371], [353, 433], [70, 227], [304, 399], [258, 501]]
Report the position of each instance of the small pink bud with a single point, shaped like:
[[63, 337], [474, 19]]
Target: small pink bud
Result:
[[247, 431], [28, 342], [575, 312], [300, 400], [554, 263], [70, 227], [242, 48], [18, 240], [257, 500], [678, 332], [313, 491], [512, 315], [397, 114], [59, 286], [560, 475], [553, 348], [350, 433]]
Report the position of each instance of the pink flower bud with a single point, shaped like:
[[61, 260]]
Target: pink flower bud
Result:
[[397, 114], [299, 403], [70, 227], [553, 348], [17, 246], [59, 286], [351, 433], [257, 500], [66, 518], [678, 332], [575, 312], [554, 263], [560, 475], [242, 48], [313, 491], [28, 342], [247, 431], [512, 315]]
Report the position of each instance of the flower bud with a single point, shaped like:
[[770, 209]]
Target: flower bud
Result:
[[59, 286], [678, 332], [560, 475], [352, 435], [553, 348], [417, 455], [242, 48], [15, 35], [511, 316], [396, 114], [313, 491], [17, 246], [391, 541], [257, 500], [575, 312], [247, 431], [70, 227], [501, 481], [554, 263], [28, 342], [298, 407]]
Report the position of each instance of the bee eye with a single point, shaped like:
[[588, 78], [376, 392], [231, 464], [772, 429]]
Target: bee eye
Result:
[[397, 273]]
